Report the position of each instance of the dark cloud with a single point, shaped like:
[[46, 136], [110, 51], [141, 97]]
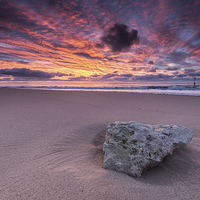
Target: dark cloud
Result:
[[138, 68], [118, 37], [185, 11], [151, 62], [108, 76], [175, 73], [79, 78], [95, 76], [86, 55], [172, 68], [195, 74], [135, 61], [65, 46], [181, 75], [54, 3], [5, 29], [157, 77], [23, 62], [115, 77], [154, 69], [99, 45], [189, 71], [126, 75], [24, 72], [130, 77], [15, 19], [177, 57], [9, 13], [8, 56]]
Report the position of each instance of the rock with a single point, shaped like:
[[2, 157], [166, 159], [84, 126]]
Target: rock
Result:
[[132, 147]]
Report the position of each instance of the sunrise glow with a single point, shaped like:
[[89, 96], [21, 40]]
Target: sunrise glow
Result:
[[99, 41]]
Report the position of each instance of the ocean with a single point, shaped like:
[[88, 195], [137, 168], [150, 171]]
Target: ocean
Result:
[[150, 88]]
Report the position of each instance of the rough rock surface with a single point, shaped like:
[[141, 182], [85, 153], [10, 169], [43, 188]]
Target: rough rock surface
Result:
[[132, 147]]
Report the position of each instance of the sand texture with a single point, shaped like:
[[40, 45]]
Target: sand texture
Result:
[[51, 146]]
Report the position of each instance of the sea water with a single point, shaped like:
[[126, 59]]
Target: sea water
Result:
[[150, 88]]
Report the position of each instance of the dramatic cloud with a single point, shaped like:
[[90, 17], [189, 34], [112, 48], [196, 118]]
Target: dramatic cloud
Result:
[[172, 68], [135, 61], [108, 76], [80, 78], [138, 69], [195, 74], [189, 71], [151, 62], [86, 55], [154, 69], [99, 45], [118, 37], [98, 40], [23, 62], [126, 75], [5, 29], [153, 77], [24, 72], [130, 77]]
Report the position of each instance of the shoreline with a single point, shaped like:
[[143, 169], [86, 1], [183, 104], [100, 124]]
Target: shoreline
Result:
[[151, 91], [51, 145]]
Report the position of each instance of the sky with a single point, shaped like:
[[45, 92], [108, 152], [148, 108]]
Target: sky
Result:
[[100, 40]]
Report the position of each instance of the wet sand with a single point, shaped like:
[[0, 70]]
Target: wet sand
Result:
[[51, 145]]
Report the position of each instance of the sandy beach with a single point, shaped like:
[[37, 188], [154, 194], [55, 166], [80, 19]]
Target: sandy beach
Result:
[[51, 146]]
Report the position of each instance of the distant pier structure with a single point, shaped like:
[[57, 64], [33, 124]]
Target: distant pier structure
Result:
[[194, 81]]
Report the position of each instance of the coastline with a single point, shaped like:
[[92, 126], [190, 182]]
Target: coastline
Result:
[[51, 145], [188, 90]]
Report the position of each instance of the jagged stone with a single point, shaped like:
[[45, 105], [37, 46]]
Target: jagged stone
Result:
[[132, 147]]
